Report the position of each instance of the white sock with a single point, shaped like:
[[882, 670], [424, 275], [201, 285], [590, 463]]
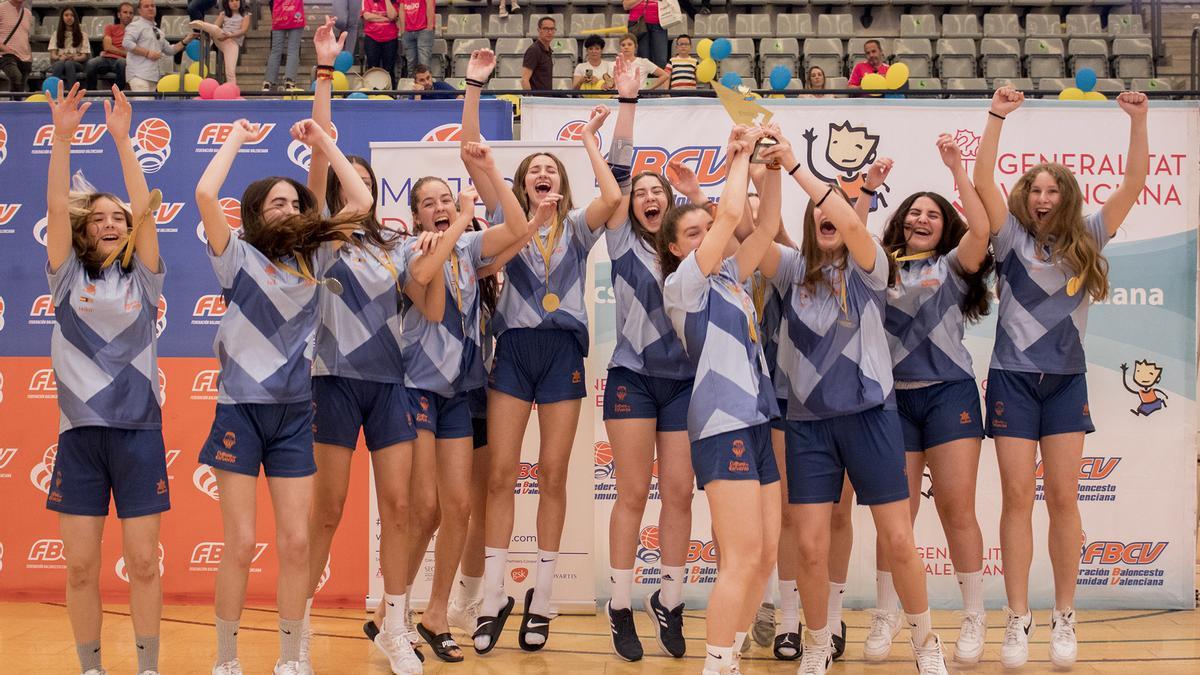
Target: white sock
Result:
[[885, 592], [494, 562], [819, 637], [393, 616], [769, 591], [468, 589], [718, 657], [622, 587], [307, 612], [921, 626], [739, 639], [971, 585], [789, 601], [836, 593], [407, 600], [672, 587], [543, 586]]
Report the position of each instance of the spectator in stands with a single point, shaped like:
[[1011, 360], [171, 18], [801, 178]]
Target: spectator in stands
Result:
[[814, 79], [69, 48], [112, 56], [382, 34], [196, 9], [348, 14], [537, 67], [420, 20], [653, 44], [504, 7], [691, 10], [144, 45], [682, 67], [423, 81], [16, 58], [593, 72], [628, 53], [287, 27], [229, 32], [874, 63]]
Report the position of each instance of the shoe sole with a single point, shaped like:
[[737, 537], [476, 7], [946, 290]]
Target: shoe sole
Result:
[[657, 628], [612, 637], [967, 660]]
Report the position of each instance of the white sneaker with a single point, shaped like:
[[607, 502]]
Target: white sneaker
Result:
[[1063, 647], [514, 7], [144, 672], [96, 671], [884, 627], [971, 634], [399, 653], [815, 659], [1015, 650], [763, 629], [464, 617], [503, 12], [288, 668], [930, 660], [233, 667], [410, 627]]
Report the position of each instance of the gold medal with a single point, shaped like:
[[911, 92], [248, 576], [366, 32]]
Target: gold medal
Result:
[[546, 247], [1073, 285], [550, 302]]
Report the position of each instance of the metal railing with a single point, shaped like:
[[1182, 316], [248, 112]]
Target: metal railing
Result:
[[1194, 61]]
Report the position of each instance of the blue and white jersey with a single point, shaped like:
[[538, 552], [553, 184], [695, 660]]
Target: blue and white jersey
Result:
[[771, 323], [520, 304], [447, 357], [714, 315], [269, 316], [103, 348], [924, 321], [1041, 324], [833, 345], [358, 335], [646, 340]]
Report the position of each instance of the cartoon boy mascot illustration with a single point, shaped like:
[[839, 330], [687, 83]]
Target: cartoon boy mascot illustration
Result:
[[1145, 376], [850, 151]]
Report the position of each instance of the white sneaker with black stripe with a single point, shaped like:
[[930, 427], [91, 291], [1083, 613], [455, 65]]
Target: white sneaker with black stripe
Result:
[[1063, 646], [1017, 631]]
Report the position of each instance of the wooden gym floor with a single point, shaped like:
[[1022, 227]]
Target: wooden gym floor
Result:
[[35, 638]]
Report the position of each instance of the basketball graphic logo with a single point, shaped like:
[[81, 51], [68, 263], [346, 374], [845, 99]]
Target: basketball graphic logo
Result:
[[162, 387], [233, 216], [43, 470], [123, 574], [300, 154], [446, 132], [152, 144], [1, 316], [603, 459], [160, 323], [3, 143], [39, 231], [648, 537], [573, 131]]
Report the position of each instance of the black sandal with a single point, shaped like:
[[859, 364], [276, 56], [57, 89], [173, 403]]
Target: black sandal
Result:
[[533, 624], [442, 644], [787, 641], [492, 626]]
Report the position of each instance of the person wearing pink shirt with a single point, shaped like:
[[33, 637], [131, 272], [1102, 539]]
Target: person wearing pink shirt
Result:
[[379, 18], [874, 63], [420, 20]]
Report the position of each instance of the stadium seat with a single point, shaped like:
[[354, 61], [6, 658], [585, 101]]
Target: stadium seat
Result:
[[856, 49], [917, 53], [1018, 83], [960, 83], [1001, 57], [1089, 53], [922, 83], [441, 58], [838, 82], [794, 25], [47, 26], [1125, 25], [1044, 57], [961, 25], [462, 53], [93, 26], [565, 54], [919, 26], [1053, 85], [1132, 57], [561, 83], [682, 28], [1043, 25], [509, 26], [1084, 26], [711, 25], [1149, 84], [1002, 25], [741, 59], [1110, 85], [534, 17], [835, 26], [956, 57], [505, 83], [780, 51], [752, 25], [461, 26], [403, 84], [582, 22], [175, 26], [825, 53]]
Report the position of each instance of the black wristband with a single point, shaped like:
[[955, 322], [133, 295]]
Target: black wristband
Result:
[[997, 116], [818, 204], [627, 99], [792, 171], [866, 190], [474, 83]]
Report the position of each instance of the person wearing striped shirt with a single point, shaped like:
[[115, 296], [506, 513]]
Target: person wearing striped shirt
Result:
[[682, 67]]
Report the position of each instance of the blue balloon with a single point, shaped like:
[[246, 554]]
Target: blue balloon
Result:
[[357, 94], [193, 50], [781, 77], [1085, 79], [50, 86], [343, 62], [721, 48], [731, 80]]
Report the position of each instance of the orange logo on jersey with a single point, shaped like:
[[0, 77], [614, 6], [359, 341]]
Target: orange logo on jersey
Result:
[[998, 407], [424, 403], [1086, 411], [621, 392], [739, 448], [576, 377], [739, 467], [964, 417], [230, 440], [161, 487]]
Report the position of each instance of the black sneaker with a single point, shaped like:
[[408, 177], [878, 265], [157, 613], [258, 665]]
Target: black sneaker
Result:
[[839, 643], [625, 642], [668, 626]]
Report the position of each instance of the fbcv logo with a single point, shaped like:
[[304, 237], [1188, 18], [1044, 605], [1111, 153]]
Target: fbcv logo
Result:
[[43, 384], [47, 550], [216, 133], [1090, 468], [648, 551], [85, 134], [1121, 553], [206, 481]]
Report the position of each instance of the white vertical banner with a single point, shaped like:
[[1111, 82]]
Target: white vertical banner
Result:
[[398, 166], [1137, 491]]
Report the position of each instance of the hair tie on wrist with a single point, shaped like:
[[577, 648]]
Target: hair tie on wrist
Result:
[[627, 99], [997, 116], [473, 82], [822, 201], [866, 190], [321, 67], [792, 171]]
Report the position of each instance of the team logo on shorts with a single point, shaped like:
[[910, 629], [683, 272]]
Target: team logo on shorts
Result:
[[964, 417], [300, 154], [123, 574], [229, 440], [622, 392], [998, 408], [576, 377], [152, 144], [424, 403], [739, 448]]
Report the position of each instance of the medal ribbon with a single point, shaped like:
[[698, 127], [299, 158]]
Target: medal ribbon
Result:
[[546, 248]]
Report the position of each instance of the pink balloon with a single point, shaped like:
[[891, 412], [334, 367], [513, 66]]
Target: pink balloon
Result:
[[227, 91], [208, 88]]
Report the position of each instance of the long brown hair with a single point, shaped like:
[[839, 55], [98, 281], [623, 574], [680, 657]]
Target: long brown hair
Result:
[[414, 200], [667, 261], [79, 211], [564, 185], [639, 229], [975, 303], [1064, 233], [76, 31], [335, 201], [489, 286], [296, 235], [813, 256]]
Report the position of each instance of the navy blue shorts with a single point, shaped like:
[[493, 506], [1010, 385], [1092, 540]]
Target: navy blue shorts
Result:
[[538, 366], [939, 413], [342, 406], [93, 462], [742, 454], [277, 436], [441, 416], [1033, 405], [477, 401], [867, 445], [780, 422], [629, 395]]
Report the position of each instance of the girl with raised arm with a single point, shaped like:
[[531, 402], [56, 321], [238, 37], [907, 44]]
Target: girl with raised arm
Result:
[[542, 338], [1049, 268], [106, 279]]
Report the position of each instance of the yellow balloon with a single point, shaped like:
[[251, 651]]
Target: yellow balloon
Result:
[[897, 75], [1071, 94], [776, 96], [1094, 96], [36, 98], [702, 48], [340, 83], [168, 83], [706, 71], [380, 97], [194, 69], [192, 82], [873, 82]]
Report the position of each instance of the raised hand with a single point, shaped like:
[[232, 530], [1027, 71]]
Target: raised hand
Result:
[[1006, 99], [628, 78], [546, 210], [67, 112], [481, 154], [307, 132], [425, 242], [118, 114], [466, 201], [598, 115], [327, 46], [481, 65], [682, 177], [1134, 103], [878, 172], [949, 150], [241, 132]]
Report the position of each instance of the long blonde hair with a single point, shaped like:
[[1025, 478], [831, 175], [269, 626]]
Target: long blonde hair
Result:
[[1064, 233], [80, 209], [564, 185]]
